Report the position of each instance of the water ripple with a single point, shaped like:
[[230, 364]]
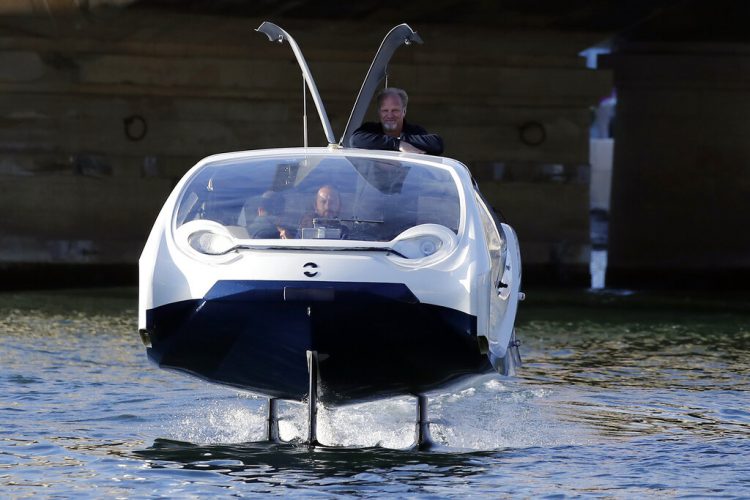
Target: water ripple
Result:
[[613, 401]]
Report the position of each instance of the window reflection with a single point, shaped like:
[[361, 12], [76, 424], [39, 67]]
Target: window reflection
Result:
[[336, 197]]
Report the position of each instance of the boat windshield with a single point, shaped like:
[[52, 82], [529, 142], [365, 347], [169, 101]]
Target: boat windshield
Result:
[[321, 197]]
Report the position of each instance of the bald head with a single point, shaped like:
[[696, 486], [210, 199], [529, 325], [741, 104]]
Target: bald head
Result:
[[327, 202]]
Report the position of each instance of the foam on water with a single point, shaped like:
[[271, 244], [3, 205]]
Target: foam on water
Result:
[[489, 414], [219, 421]]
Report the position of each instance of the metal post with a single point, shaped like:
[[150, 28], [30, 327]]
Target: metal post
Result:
[[423, 439], [304, 110], [272, 422], [312, 399]]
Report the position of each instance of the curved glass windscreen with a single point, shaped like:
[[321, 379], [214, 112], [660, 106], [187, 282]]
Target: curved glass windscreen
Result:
[[320, 197]]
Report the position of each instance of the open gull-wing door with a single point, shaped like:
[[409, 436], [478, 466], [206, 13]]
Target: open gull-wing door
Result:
[[276, 34], [400, 35]]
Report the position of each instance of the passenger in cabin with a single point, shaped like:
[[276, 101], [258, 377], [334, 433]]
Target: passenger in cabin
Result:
[[325, 213], [394, 133], [266, 224]]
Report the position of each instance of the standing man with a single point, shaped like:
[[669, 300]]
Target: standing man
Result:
[[393, 132]]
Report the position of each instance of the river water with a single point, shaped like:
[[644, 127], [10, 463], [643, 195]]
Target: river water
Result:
[[622, 395]]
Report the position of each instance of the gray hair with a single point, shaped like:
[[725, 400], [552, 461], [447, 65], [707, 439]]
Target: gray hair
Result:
[[393, 91]]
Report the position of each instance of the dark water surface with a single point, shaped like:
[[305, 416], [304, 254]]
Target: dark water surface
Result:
[[621, 396]]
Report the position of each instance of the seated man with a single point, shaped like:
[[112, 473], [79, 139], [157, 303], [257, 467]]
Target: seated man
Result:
[[266, 224], [393, 132], [325, 214]]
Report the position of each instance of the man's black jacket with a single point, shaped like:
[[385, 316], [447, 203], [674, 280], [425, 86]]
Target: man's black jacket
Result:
[[371, 136]]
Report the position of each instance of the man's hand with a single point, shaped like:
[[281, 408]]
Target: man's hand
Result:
[[405, 147]]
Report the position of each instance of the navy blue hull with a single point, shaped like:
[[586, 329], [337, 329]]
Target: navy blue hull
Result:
[[373, 340]]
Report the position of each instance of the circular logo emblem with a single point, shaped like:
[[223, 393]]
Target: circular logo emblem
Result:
[[309, 269]]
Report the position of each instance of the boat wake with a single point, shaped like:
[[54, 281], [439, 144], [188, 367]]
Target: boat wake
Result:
[[486, 414]]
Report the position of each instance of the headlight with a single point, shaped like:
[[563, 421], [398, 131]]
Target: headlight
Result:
[[429, 246], [211, 243], [421, 246], [424, 243], [205, 238]]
